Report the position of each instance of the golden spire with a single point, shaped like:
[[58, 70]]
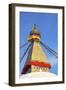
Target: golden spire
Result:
[[36, 58], [34, 34]]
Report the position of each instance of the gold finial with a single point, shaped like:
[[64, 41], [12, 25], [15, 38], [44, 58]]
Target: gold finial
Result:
[[34, 27], [34, 34]]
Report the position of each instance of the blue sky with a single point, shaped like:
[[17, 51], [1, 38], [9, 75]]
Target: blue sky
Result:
[[47, 24]]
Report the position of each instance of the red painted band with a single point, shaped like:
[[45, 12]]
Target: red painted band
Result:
[[41, 64]]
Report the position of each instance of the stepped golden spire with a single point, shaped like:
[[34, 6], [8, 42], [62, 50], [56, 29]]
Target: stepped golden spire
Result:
[[36, 58]]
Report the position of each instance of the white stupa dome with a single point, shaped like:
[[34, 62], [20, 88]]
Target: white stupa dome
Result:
[[38, 75]]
